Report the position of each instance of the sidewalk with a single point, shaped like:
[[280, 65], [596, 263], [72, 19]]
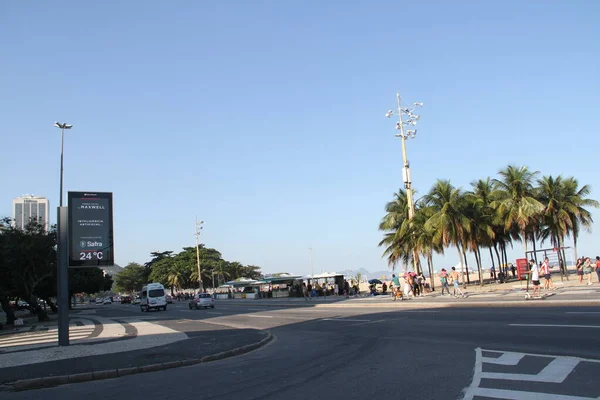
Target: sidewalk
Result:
[[494, 295], [104, 348]]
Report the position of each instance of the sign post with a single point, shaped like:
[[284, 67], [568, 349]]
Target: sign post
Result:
[[90, 229], [522, 267]]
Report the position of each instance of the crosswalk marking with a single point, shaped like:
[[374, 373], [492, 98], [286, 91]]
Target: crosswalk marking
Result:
[[555, 372]]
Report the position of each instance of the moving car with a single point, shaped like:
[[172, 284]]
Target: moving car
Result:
[[169, 299], [203, 300], [108, 300], [99, 300], [125, 299], [153, 296], [136, 300]]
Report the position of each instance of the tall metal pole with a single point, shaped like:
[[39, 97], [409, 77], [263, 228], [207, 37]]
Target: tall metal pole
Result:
[[62, 142], [200, 286], [63, 276], [312, 270], [407, 180]]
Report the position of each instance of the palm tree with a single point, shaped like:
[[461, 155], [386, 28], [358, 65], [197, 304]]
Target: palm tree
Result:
[[448, 221], [425, 239], [515, 201], [397, 239], [564, 211]]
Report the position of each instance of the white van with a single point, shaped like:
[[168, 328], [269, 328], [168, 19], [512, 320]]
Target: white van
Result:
[[153, 296]]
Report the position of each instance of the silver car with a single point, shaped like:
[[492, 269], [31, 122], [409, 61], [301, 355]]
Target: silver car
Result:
[[202, 300]]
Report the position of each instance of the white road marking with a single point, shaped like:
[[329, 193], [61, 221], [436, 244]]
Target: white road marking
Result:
[[555, 372], [345, 320], [256, 316], [557, 326], [214, 312], [583, 312], [368, 322]]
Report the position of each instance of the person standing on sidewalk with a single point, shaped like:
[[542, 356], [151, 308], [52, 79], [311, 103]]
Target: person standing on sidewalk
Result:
[[579, 269], [534, 270], [545, 270], [455, 281], [444, 281], [598, 267]]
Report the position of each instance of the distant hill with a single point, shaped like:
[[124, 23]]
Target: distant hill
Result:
[[113, 270], [370, 275]]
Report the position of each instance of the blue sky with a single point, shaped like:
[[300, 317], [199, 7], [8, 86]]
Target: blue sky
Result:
[[266, 118]]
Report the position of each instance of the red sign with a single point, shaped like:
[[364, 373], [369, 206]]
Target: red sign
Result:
[[522, 268]]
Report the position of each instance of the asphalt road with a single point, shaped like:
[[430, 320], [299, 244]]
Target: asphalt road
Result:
[[470, 353]]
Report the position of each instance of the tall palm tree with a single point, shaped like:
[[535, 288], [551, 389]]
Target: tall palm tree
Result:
[[448, 220], [425, 239], [576, 200], [515, 201], [483, 220]]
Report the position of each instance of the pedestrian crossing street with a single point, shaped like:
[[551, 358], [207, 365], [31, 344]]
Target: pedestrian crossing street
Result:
[[42, 336]]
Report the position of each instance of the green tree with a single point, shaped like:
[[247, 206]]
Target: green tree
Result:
[[131, 279], [448, 222]]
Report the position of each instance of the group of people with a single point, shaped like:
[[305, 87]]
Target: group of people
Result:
[[411, 285], [451, 278], [309, 291], [585, 266]]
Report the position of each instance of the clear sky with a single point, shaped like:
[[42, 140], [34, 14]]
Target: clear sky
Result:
[[266, 118]]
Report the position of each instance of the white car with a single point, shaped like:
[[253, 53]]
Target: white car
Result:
[[107, 300], [99, 301], [202, 300], [136, 300]]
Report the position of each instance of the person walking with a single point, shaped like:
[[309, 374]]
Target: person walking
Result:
[[598, 267], [455, 281], [545, 271], [588, 269], [579, 269], [444, 281]]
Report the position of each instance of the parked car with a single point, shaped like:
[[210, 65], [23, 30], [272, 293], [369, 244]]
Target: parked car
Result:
[[202, 300], [125, 299], [99, 300], [107, 300], [136, 301], [169, 299]]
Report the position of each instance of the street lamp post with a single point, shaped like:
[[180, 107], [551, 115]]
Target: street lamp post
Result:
[[198, 226], [310, 259], [62, 252], [411, 120], [62, 128]]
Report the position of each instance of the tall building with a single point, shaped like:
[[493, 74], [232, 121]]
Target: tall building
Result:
[[29, 206]]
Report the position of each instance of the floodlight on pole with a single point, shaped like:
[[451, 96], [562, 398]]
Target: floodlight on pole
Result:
[[199, 225], [411, 120], [62, 127]]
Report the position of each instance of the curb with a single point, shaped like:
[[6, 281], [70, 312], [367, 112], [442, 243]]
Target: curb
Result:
[[51, 381], [462, 304]]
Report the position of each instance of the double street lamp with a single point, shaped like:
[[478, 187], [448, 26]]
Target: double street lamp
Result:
[[198, 225], [62, 127], [410, 121]]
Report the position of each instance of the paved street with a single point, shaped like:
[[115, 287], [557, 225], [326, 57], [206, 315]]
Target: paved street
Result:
[[360, 352]]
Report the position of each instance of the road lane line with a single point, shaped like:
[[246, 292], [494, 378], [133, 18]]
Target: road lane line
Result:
[[583, 312], [345, 319], [256, 316], [517, 395], [368, 322], [556, 326]]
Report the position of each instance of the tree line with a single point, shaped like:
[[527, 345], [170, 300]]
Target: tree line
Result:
[[28, 261], [180, 271], [517, 206]]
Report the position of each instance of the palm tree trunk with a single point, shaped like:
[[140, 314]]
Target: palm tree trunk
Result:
[[498, 257], [430, 265], [462, 266], [561, 252], [479, 266], [534, 248], [492, 275], [464, 250]]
